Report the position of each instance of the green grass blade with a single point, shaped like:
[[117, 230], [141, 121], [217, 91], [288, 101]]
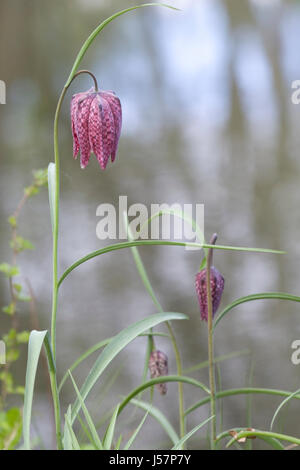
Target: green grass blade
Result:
[[141, 268], [272, 438], [120, 246], [180, 443], [71, 439], [118, 343], [36, 340], [248, 298], [160, 417], [67, 440], [159, 380], [273, 442], [217, 359], [119, 441], [93, 349], [134, 435], [109, 435], [94, 434], [85, 432], [81, 358], [284, 402], [241, 391], [51, 191]]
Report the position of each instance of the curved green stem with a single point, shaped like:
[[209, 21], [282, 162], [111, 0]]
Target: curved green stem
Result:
[[242, 391], [260, 296], [162, 379], [55, 225], [211, 367], [99, 28], [258, 433], [120, 246]]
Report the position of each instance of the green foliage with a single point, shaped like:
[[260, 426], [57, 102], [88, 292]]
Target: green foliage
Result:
[[9, 309], [40, 178], [10, 428], [8, 270], [12, 220], [19, 244], [11, 419]]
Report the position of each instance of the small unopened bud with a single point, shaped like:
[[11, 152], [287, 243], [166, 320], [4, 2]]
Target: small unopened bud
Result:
[[216, 286], [158, 366]]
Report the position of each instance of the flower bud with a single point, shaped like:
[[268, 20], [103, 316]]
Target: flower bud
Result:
[[216, 286], [96, 125], [158, 366]]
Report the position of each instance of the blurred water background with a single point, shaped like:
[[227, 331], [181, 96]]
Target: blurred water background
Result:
[[207, 118]]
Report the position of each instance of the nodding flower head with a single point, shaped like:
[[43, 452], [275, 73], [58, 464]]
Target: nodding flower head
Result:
[[96, 125], [216, 286], [158, 366]]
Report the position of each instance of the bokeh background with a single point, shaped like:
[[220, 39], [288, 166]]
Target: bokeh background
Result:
[[207, 118]]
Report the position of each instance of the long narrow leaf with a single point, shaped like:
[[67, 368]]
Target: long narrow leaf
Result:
[[162, 379], [180, 443], [120, 246], [88, 418], [265, 435], [67, 440], [241, 391], [118, 444], [217, 359], [261, 296], [284, 402], [134, 435], [36, 340], [93, 349], [109, 435], [160, 417], [119, 342], [72, 436]]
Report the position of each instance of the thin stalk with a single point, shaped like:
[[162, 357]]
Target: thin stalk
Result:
[[55, 225], [52, 370], [55, 251], [180, 384], [54, 390], [213, 427]]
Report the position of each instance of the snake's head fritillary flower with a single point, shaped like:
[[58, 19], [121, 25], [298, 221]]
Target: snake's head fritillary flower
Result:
[[96, 125], [216, 286], [158, 366]]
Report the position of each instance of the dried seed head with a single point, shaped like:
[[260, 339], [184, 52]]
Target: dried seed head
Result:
[[216, 286], [158, 366], [96, 125]]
